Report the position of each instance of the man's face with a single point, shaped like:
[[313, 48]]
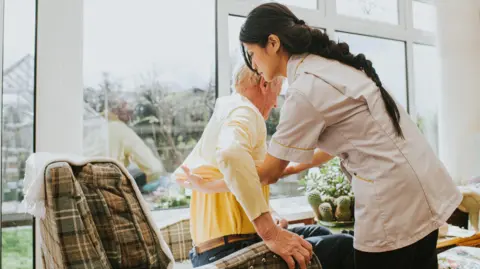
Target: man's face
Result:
[[271, 91]]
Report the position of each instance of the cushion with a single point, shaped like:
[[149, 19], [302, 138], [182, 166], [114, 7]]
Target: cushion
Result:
[[95, 219], [460, 258]]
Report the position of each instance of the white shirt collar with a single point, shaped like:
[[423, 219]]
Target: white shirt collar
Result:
[[245, 99]]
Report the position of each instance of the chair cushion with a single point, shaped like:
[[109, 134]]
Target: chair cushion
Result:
[[178, 238], [69, 237], [110, 227]]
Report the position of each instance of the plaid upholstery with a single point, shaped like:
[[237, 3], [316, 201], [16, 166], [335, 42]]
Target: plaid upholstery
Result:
[[179, 240], [94, 220], [256, 256], [69, 237]]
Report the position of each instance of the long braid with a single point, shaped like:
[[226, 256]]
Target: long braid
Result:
[[341, 52], [297, 38]]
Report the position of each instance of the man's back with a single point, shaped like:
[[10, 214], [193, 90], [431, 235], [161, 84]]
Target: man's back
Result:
[[219, 214]]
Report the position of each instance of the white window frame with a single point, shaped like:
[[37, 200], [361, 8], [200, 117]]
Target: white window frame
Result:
[[326, 17]]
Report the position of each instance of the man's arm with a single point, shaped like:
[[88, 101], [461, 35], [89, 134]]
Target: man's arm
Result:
[[234, 149], [236, 141]]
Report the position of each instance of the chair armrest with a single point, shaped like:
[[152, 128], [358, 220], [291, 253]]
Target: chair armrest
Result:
[[178, 238], [255, 256]]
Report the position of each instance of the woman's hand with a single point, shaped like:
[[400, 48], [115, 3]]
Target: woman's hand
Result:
[[197, 183], [280, 222], [290, 170], [192, 181]]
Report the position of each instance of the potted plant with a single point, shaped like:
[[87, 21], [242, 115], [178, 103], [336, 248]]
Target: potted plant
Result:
[[330, 195]]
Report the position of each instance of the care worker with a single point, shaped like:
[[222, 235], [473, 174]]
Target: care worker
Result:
[[336, 105]]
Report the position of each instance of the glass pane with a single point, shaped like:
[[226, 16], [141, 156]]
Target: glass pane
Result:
[[17, 130], [376, 10], [388, 58], [288, 186], [424, 16], [312, 4], [149, 87], [426, 64]]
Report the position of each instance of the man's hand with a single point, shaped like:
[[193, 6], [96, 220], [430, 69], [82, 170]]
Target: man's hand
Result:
[[291, 247]]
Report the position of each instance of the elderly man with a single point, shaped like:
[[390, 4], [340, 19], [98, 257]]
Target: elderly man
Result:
[[233, 142]]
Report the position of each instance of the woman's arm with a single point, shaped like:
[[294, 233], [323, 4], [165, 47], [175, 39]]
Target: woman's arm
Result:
[[271, 169], [197, 183], [319, 158]]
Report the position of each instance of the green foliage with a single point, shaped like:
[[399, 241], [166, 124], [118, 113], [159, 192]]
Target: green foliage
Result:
[[272, 121], [326, 212], [329, 181], [421, 124], [172, 202], [17, 248]]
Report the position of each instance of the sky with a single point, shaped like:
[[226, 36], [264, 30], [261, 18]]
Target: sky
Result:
[[131, 39], [19, 30]]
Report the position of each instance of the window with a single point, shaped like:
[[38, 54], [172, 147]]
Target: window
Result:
[[17, 130], [388, 58], [375, 10], [426, 65], [424, 16], [288, 186], [311, 4], [149, 83]]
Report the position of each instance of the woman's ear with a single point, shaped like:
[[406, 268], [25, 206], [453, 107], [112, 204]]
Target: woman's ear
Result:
[[274, 43]]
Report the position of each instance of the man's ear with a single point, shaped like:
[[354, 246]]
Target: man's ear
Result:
[[263, 85]]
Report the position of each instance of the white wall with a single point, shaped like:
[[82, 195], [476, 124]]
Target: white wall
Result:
[[459, 115]]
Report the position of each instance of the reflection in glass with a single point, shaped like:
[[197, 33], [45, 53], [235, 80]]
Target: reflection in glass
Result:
[[426, 65], [388, 58], [424, 16], [17, 130], [375, 10], [149, 87]]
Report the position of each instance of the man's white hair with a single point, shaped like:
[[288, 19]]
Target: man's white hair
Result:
[[244, 77]]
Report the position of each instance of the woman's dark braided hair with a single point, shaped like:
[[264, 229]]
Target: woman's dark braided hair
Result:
[[298, 38]]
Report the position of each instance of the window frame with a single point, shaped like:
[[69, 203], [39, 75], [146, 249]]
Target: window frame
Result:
[[326, 17]]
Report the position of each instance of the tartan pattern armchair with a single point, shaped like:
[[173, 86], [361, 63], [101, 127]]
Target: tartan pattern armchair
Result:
[[179, 240], [94, 219]]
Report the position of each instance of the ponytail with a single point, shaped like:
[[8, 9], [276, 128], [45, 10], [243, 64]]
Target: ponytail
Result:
[[297, 38]]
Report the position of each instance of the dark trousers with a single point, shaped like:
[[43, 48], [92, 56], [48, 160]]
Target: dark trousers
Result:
[[335, 251], [421, 255]]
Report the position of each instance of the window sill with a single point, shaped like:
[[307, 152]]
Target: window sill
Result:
[[291, 208]]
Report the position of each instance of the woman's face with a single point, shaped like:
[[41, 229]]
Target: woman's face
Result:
[[266, 61]]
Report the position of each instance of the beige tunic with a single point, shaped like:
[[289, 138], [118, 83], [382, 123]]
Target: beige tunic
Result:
[[402, 191]]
